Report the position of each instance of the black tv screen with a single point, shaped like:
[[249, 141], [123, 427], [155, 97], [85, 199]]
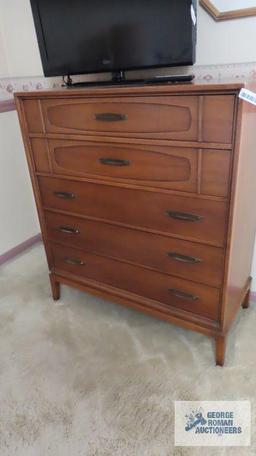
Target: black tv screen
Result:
[[91, 36]]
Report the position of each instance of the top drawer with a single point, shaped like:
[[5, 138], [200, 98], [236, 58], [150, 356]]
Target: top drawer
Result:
[[180, 118], [141, 117]]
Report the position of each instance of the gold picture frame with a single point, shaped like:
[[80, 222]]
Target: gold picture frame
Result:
[[225, 15]]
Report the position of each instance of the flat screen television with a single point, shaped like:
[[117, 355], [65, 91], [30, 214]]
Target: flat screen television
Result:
[[93, 36]]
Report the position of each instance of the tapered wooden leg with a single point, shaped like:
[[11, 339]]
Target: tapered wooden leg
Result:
[[246, 301], [55, 287], [220, 343]]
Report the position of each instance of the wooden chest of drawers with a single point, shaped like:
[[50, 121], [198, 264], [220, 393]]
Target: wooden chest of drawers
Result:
[[143, 195]]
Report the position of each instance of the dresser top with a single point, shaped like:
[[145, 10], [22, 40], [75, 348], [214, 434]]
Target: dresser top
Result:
[[156, 89]]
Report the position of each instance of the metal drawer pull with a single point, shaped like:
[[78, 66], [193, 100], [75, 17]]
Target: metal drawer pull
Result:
[[66, 229], [184, 258], [114, 162], [182, 295], [184, 216], [74, 261], [65, 195], [110, 117]]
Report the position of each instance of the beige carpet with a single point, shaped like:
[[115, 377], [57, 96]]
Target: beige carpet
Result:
[[87, 377]]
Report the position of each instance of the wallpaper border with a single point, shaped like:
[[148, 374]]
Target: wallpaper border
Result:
[[244, 71]]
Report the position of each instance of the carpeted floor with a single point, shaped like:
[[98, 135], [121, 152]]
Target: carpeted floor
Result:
[[87, 377]]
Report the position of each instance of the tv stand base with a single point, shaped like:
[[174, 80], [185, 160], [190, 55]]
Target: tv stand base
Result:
[[115, 81]]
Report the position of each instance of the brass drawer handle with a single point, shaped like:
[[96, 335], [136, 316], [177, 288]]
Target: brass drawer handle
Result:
[[184, 216], [184, 258], [68, 230], [65, 195], [114, 162], [110, 117], [74, 261], [182, 295]]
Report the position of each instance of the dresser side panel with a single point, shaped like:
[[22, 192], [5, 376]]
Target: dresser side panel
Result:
[[23, 111], [242, 224]]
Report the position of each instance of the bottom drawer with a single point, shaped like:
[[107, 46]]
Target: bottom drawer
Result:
[[169, 291]]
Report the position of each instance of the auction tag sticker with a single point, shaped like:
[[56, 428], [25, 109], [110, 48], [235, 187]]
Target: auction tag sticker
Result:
[[212, 423], [248, 95]]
